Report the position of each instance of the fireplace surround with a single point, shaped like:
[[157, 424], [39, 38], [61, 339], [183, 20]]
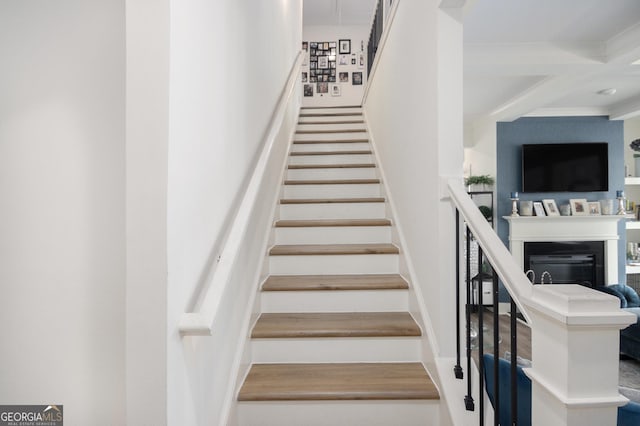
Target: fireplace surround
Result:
[[602, 228]]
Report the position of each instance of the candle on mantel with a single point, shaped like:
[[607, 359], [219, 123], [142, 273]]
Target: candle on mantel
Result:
[[514, 194]]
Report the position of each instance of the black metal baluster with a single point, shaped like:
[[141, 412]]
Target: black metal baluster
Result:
[[457, 370], [468, 399], [496, 351], [514, 362], [480, 344]]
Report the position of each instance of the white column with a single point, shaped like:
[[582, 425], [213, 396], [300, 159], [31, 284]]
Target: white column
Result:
[[575, 347]]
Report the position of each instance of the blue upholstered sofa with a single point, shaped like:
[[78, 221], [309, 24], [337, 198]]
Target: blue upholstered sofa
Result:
[[630, 302], [628, 415]]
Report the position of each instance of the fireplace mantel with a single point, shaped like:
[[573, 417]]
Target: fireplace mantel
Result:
[[567, 228]]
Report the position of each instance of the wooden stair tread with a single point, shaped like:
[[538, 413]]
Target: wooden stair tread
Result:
[[315, 141], [331, 166], [332, 249], [334, 282], [331, 200], [312, 223], [338, 381], [355, 152], [335, 324], [331, 181], [331, 122], [309, 132], [330, 114]]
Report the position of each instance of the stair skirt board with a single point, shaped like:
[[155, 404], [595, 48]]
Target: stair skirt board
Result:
[[334, 264], [339, 413], [334, 301], [328, 349], [333, 211]]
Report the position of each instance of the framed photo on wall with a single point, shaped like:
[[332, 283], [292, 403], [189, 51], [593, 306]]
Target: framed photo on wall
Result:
[[344, 77], [323, 88], [550, 207], [356, 78], [335, 90], [308, 89], [344, 46]]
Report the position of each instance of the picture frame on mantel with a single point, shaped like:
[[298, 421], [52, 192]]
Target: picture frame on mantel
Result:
[[538, 208], [579, 206], [550, 207]]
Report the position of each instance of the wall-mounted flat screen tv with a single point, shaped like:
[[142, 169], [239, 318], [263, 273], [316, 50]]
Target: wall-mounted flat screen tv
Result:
[[565, 167]]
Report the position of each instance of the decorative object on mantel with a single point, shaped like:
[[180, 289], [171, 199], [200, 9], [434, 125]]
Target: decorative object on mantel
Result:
[[579, 206], [539, 209], [606, 206], [479, 183], [526, 208], [565, 209], [514, 204], [594, 207], [620, 197], [635, 145], [550, 207]]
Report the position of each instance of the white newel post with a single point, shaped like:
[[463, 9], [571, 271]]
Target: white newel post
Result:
[[575, 348]]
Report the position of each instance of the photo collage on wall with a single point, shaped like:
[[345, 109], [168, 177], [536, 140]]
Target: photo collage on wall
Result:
[[323, 60]]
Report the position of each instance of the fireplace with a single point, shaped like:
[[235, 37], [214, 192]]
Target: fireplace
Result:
[[567, 262]]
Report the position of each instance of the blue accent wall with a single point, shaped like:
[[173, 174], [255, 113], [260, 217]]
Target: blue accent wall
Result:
[[510, 138]]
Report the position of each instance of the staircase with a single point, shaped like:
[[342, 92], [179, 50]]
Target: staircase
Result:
[[335, 343]]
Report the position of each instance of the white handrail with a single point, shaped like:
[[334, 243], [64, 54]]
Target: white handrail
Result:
[[201, 321], [500, 258]]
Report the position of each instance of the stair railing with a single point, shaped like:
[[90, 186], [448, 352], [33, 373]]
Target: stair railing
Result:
[[474, 226], [567, 322]]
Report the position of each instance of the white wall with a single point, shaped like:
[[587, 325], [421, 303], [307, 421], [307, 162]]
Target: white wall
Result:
[[480, 148], [147, 128], [414, 110], [349, 94], [62, 227], [229, 62]]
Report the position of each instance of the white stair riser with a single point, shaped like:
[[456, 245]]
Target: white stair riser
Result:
[[334, 264], [332, 191], [333, 211], [328, 147], [330, 111], [332, 173], [335, 301], [331, 119], [332, 159], [336, 126], [333, 235], [339, 413], [339, 349], [330, 136]]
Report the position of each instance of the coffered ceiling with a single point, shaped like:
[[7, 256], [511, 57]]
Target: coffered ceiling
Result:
[[534, 57]]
